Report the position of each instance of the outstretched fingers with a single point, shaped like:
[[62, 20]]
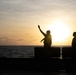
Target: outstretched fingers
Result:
[[39, 26]]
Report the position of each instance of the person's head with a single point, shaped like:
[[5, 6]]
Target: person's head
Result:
[[48, 32], [74, 34]]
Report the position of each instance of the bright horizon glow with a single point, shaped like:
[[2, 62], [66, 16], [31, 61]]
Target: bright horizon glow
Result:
[[59, 31]]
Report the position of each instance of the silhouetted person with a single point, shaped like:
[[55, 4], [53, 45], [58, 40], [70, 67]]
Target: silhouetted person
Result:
[[47, 38], [74, 40], [74, 45]]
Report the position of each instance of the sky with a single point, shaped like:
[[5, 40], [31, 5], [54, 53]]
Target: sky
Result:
[[19, 20]]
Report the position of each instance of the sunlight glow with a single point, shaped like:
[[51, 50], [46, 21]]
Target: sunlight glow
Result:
[[59, 31]]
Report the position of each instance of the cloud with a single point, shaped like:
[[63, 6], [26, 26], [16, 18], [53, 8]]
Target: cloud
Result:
[[15, 8], [20, 40], [33, 5], [8, 41], [5, 37], [0, 38]]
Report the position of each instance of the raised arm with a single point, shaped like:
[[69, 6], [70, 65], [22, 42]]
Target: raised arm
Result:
[[41, 30]]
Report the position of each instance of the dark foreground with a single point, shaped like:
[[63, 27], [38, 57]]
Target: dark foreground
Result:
[[31, 64], [40, 64]]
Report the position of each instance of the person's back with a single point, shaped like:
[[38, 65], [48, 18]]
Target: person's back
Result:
[[74, 45], [74, 40], [47, 39]]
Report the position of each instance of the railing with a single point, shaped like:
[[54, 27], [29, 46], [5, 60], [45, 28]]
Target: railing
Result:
[[55, 52]]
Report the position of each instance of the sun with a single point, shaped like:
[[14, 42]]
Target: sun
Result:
[[59, 31]]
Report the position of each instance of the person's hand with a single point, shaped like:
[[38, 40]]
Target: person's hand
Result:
[[38, 26]]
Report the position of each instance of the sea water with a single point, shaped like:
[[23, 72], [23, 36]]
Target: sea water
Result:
[[20, 51], [17, 51]]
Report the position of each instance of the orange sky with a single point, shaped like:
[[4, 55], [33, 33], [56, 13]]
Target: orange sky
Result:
[[19, 20]]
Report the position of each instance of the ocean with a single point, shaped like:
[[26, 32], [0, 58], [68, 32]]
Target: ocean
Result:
[[17, 51], [20, 51]]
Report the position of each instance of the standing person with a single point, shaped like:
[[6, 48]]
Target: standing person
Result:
[[74, 46], [74, 40], [47, 38]]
